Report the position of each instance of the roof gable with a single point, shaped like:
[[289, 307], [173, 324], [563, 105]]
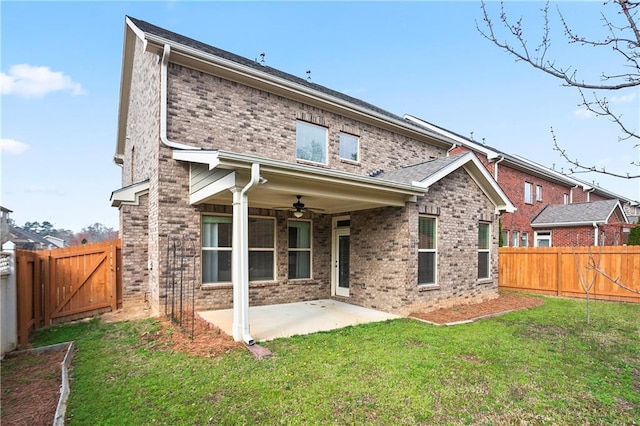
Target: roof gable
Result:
[[425, 174], [579, 214]]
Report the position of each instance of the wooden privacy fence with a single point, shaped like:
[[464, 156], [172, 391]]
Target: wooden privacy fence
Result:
[[66, 284], [558, 271]]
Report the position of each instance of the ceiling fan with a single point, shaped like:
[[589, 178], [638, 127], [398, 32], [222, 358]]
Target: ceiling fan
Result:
[[298, 208]]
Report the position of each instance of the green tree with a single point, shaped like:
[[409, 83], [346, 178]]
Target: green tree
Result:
[[634, 235]]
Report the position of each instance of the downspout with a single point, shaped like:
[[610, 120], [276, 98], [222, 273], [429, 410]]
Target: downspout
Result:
[[240, 254], [588, 193], [454, 146], [495, 167], [164, 89], [595, 234], [571, 194]]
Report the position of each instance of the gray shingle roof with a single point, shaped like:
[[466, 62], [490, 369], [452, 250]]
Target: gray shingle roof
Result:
[[596, 211], [189, 42], [418, 172]]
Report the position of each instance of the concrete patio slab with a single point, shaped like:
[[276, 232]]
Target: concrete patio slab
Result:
[[290, 319]]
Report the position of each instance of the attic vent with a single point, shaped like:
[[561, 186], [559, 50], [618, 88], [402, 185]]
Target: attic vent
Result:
[[376, 173]]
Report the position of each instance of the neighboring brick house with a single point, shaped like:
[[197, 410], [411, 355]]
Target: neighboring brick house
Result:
[[532, 187], [581, 224], [292, 191]]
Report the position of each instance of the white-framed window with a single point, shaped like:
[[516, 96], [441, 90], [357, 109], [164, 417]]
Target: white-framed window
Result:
[[528, 192], [538, 193], [515, 235], [311, 142], [542, 239], [299, 249], [216, 249], [484, 244], [262, 249], [524, 242], [349, 147], [505, 238], [427, 250], [565, 198]]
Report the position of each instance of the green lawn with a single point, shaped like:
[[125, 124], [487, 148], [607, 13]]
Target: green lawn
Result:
[[541, 366]]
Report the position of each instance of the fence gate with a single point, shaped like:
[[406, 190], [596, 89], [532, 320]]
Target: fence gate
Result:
[[66, 284]]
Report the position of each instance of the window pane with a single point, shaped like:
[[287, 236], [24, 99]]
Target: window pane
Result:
[[299, 234], [528, 196], [216, 231], [426, 268], [216, 266], [525, 239], [514, 239], [538, 193], [261, 233], [348, 147], [483, 235], [299, 264], [311, 142], [260, 265], [483, 264], [427, 233], [505, 238]]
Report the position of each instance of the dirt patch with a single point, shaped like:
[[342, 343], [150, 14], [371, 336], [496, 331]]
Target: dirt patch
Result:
[[504, 303], [31, 387]]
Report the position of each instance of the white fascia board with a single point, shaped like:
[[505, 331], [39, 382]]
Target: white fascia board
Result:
[[479, 174], [210, 158], [129, 195], [231, 159], [619, 207], [463, 141], [566, 224]]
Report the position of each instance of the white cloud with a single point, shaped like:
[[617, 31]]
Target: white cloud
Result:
[[583, 113], [623, 99], [34, 82], [11, 146]]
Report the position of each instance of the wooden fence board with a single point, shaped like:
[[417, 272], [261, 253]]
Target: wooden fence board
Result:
[[67, 284], [563, 271]]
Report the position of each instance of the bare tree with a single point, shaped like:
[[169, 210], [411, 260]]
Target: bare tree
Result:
[[619, 20]]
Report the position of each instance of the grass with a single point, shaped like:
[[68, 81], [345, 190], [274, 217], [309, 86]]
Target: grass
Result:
[[541, 366]]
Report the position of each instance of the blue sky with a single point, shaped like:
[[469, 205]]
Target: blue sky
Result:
[[61, 64]]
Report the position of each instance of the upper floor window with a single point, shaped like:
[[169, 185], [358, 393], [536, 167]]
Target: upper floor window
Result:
[[484, 242], [349, 147], [528, 193], [427, 250], [505, 238], [311, 142], [538, 193], [525, 240], [514, 238], [299, 249], [565, 198]]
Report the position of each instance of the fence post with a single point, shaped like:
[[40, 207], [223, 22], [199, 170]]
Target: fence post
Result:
[[112, 275], [559, 253], [9, 299]]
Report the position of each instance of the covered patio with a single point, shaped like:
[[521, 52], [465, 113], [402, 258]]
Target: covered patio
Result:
[[285, 320]]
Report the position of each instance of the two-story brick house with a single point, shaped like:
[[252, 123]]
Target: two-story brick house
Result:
[[534, 188], [291, 191]]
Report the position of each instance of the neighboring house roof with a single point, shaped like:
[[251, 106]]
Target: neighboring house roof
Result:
[[425, 174], [29, 240], [518, 162], [198, 54], [579, 214], [5, 210]]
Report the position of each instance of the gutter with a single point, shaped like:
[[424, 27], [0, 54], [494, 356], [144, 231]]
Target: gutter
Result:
[[589, 191]]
